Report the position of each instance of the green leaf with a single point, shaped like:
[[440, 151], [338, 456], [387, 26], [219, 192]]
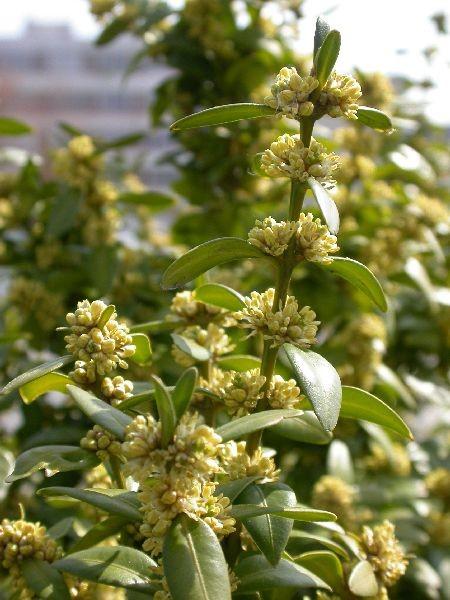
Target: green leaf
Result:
[[111, 31], [361, 277], [100, 412], [206, 256], [51, 382], [54, 459], [306, 538], [106, 315], [362, 580], [70, 129], [155, 201], [358, 404], [166, 411], [223, 114], [143, 353], [256, 574], [122, 141], [36, 372], [326, 57], [321, 32], [191, 348], [10, 126], [118, 566], [325, 565], [250, 423], [64, 212], [339, 461], [326, 205], [374, 118], [61, 528], [184, 388], [270, 533], [232, 489], [99, 532], [319, 381], [194, 563], [306, 428], [220, 295], [103, 265], [239, 362], [120, 503], [295, 513], [45, 581]]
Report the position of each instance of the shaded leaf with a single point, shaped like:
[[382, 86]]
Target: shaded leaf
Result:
[[99, 532], [64, 212], [36, 372], [306, 428], [45, 581], [220, 295], [261, 420], [111, 31], [223, 114], [325, 565], [184, 388], [232, 489], [166, 411]]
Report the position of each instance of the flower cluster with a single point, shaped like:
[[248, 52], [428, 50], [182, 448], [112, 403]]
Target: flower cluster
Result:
[[289, 157], [237, 463], [213, 339], [290, 93], [205, 24], [34, 302], [283, 394], [288, 324], [438, 484], [335, 495], [242, 393], [339, 97], [187, 307], [103, 443], [272, 237], [98, 350], [116, 389], [398, 461]]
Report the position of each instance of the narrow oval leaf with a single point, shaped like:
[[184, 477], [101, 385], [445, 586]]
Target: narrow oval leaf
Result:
[[239, 362], [362, 580], [325, 565], [306, 428], [10, 126], [45, 581], [55, 459], [111, 31], [232, 489], [239, 427], [194, 563], [361, 277], [305, 538], [256, 574], [143, 353], [184, 388], [51, 382], [118, 566], [223, 114], [374, 118], [100, 412], [191, 348], [319, 381], [99, 532], [359, 404], [61, 528], [106, 315], [339, 461], [166, 411], [295, 513], [326, 205], [36, 372], [206, 256], [220, 295], [121, 503], [321, 32], [326, 56]]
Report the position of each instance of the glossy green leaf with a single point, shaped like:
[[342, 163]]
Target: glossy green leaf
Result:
[[299, 538], [108, 417], [194, 563], [239, 362], [51, 382], [184, 388], [319, 381], [166, 411], [232, 489], [250, 423], [54, 459], [295, 513], [44, 579], [321, 32], [55, 434], [121, 503], [155, 201], [359, 404], [374, 118], [143, 353], [223, 114], [326, 56], [191, 348], [326, 205], [306, 428], [361, 277], [9, 126], [99, 532], [206, 256], [118, 566], [106, 315], [362, 580], [339, 461], [220, 295], [255, 574], [325, 565], [36, 372]]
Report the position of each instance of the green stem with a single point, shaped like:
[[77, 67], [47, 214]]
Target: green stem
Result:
[[117, 474]]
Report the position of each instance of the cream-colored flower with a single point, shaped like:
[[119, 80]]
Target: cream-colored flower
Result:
[[313, 240], [283, 393], [81, 147], [288, 324], [290, 93], [384, 553], [102, 442], [116, 389], [213, 338], [237, 463], [438, 483], [335, 495], [242, 393], [288, 157], [35, 303], [271, 237], [398, 462], [339, 97], [186, 306]]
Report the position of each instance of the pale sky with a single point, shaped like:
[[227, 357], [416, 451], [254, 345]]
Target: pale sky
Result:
[[372, 35]]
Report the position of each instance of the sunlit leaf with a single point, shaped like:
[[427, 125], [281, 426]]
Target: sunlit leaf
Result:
[[223, 114]]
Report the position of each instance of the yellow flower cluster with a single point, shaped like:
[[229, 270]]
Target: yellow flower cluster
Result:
[[398, 463], [384, 553], [242, 393], [103, 443], [313, 240], [272, 237], [237, 463], [377, 90], [335, 495], [339, 97], [438, 484], [98, 350], [288, 324], [283, 394], [116, 389], [205, 24], [34, 302], [288, 157], [290, 93], [213, 338], [185, 306]]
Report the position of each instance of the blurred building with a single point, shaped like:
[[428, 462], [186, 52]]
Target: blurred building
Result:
[[47, 75]]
